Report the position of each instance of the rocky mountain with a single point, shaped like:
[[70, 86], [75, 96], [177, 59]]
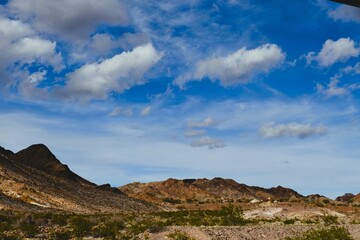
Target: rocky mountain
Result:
[[34, 179], [205, 190]]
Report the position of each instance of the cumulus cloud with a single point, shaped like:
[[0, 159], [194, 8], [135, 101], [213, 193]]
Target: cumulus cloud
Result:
[[20, 46], [118, 73], [238, 67], [334, 51], [69, 19], [207, 122], [211, 143], [292, 130], [345, 13]]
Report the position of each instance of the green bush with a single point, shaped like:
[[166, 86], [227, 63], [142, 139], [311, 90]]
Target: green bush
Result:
[[333, 233]]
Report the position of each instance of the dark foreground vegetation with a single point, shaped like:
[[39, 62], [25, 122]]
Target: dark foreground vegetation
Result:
[[129, 226]]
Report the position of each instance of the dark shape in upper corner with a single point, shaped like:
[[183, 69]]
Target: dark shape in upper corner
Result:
[[38, 156], [354, 3]]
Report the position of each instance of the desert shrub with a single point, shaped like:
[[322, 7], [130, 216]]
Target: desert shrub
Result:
[[61, 235], [178, 235], [156, 228], [232, 215], [290, 221], [29, 228], [330, 219], [81, 226], [172, 200], [108, 230], [59, 219], [8, 237], [333, 233]]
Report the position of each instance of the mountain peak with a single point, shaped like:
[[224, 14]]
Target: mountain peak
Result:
[[40, 157]]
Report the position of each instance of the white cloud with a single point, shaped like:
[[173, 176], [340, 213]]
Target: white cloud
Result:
[[14, 29], [334, 51], [292, 130], [146, 111], [195, 133], [69, 19], [238, 67], [37, 77], [20, 46], [128, 112], [345, 13], [352, 69], [30, 49], [332, 89], [118, 73], [211, 143], [207, 122]]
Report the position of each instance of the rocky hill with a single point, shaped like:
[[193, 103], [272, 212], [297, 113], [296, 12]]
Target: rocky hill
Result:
[[34, 179], [204, 190]]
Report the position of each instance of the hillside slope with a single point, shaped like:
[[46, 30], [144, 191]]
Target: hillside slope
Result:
[[34, 179]]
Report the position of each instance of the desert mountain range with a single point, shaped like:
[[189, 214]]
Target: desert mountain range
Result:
[[33, 179]]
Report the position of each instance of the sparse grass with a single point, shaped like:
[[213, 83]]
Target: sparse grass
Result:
[[333, 233]]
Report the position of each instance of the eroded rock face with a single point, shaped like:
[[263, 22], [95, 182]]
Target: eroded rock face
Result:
[[34, 179]]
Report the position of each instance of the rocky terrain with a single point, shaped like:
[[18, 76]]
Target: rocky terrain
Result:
[[33, 179]]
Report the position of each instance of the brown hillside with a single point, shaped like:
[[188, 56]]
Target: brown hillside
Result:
[[25, 186]]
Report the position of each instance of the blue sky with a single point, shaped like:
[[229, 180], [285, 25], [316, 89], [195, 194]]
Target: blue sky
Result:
[[264, 92]]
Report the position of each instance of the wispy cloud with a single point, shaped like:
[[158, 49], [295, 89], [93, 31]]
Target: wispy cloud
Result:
[[207, 122], [298, 130], [211, 143]]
